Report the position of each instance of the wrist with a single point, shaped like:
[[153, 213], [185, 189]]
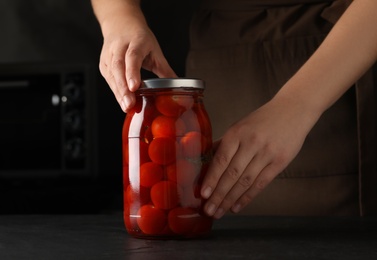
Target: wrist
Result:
[[125, 14], [302, 106]]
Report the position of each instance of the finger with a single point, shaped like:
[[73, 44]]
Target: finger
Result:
[[263, 179], [134, 60], [220, 201], [122, 92], [218, 165], [118, 93], [243, 183]]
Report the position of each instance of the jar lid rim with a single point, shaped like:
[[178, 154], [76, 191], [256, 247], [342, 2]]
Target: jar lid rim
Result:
[[173, 83]]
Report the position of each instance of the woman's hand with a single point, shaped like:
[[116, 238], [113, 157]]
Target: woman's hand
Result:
[[128, 46], [252, 153]]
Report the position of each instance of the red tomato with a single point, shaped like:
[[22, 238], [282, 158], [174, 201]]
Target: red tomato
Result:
[[162, 150], [137, 196], [171, 172], [165, 194], [173, 104], [193, 144], [163, 126], [137, 124], [150, 174], [150, 113], [191, 121], [148, 136], [183, 220], [152, 220], [182, 172]]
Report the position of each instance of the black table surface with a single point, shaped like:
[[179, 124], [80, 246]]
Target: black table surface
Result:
[[103, 236]]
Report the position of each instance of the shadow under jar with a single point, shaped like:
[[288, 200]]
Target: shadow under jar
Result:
[[167, 146]]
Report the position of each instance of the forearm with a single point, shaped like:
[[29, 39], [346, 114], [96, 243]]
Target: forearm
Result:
[[111, 12], [346, 54]]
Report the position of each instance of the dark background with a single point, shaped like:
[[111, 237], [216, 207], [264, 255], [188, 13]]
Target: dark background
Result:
[[66, 31]]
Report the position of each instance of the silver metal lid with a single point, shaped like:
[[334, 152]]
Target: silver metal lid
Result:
[[173, 83]]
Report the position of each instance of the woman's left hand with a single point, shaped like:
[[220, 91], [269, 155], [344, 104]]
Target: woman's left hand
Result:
[[252, 153]]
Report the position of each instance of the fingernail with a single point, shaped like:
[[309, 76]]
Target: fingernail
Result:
[[131, 84], [123, 105], [219, 213], [236, 208], [127, 102], [206, 192], [211, 209]]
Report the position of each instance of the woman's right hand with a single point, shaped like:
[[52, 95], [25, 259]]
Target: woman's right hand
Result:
[[128, 46]]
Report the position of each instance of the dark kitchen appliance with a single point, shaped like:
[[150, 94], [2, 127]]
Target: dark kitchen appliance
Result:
[[48, 121]]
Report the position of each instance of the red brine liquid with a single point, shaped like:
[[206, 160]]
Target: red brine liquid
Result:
[[167, 146]]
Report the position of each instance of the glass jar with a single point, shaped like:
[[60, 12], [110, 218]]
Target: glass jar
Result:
[[167, 146]]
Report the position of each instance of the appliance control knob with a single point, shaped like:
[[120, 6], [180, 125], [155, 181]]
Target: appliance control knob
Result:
[[72, 93], [73, 121], [74, 149]]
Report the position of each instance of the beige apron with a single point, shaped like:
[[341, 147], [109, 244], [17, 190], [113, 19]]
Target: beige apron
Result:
[[246, 50]]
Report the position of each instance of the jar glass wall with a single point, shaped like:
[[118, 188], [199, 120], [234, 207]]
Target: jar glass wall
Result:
[[167, 146]]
